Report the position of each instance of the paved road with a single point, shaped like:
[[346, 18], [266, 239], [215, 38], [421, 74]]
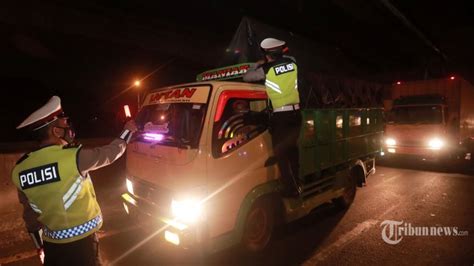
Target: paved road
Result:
[[421, 198]]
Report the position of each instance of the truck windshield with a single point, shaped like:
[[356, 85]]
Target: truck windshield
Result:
[[177, 124], [416, 115], [173, 117]]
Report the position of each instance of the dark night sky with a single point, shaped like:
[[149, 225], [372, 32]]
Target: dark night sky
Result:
[[88, 51]]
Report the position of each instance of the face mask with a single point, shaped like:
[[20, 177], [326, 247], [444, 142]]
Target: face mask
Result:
[[69, 133]]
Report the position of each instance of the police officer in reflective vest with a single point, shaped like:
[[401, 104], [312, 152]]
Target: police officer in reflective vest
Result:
[[281, 81], [56, 190]]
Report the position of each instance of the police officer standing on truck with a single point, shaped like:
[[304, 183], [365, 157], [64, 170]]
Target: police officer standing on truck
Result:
[[55, 188], [281, 81]]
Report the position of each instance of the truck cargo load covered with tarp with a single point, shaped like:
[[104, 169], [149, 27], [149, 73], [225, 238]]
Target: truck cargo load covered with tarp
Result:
[[328, 79]]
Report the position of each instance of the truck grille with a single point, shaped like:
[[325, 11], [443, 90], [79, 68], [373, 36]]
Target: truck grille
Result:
[[158, 197], [411, 143]]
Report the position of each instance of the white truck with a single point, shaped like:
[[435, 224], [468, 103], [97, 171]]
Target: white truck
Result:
[[197, 165]]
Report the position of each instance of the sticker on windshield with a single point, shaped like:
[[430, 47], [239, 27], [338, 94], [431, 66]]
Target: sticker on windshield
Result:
[[197, 94], [163, 128]]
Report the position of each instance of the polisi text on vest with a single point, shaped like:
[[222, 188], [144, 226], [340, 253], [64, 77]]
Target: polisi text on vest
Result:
[[284, 68], [44, 174]]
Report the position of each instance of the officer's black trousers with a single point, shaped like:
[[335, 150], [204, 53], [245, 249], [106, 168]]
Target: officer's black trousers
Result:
[[285, 128], [83, 252]]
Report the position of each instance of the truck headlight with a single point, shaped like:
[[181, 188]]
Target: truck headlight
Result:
[[129, 186], [436, 143], [189, 211], [390, 142]]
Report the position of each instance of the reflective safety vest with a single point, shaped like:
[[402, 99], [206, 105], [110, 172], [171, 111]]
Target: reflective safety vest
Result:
[[281, 82], [65, 200]]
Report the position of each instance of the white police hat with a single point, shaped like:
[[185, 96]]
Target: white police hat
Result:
[[271, 43], [44, 116]]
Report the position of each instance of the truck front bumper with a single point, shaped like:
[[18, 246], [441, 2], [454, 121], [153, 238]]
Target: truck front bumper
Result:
[[412, 151], [165, 228]]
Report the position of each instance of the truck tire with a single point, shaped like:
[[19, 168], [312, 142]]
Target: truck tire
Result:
[[258, 228], [361, 178], [344, 201]]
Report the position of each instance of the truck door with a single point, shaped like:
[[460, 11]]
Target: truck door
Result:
[[240, 145]]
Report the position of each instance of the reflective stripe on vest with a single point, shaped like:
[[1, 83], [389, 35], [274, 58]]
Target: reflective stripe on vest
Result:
[[273, 86], [72, 193], [35, 208], [74, 231]]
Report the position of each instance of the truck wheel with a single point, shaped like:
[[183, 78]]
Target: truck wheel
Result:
[[344, 201], [361, 179], [258, 227]]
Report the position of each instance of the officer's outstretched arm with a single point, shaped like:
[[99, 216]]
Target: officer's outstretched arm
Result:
[[255, 73], [91, 159]]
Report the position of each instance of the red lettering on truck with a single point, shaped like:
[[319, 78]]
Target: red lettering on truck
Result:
[[188, 93], [173, 94]]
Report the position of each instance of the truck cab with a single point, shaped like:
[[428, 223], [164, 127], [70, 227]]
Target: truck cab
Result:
[[417, 125], [197, 165], [430, 119]]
